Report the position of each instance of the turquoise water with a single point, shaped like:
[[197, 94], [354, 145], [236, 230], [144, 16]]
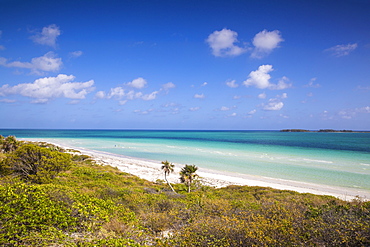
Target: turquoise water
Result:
[[336, 159]]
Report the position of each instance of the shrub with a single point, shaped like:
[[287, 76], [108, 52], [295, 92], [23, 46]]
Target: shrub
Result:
[[28, 216], [35, 164]]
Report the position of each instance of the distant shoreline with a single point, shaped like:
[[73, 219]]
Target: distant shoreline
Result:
[[324, 131]]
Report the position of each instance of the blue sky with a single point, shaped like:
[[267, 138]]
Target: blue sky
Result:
[[185, 64]]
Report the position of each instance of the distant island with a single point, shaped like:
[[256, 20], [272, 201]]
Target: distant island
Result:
[[322, 130]]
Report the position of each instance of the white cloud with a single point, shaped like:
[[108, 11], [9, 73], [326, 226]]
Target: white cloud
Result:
[[48, 36], [100, 95], [7, 100], [168, 86], [150, 96], [2, 47], [232, 84], [39, 101], [48, 62], [260, 78], [265, 42], [365, 109], [347, 113], [204, 84], [223, 43], [140, 112], [273, 105], [122, 102], [47, 88], [282, 84], [262, 96], [75, 54], [199, 96], [312, 83], [137, 83], [117, 92], [342, 50], [224, 108], [252, 112], [120, 93], [233, 114], [194, 108], [283, 96]]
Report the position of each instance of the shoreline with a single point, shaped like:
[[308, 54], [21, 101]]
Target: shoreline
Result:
[[151, 170]]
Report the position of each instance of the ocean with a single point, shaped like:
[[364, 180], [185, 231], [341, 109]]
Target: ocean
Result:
[[332, 159]]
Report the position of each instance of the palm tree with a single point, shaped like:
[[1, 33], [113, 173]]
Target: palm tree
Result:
[[167, 168], [188, 175]]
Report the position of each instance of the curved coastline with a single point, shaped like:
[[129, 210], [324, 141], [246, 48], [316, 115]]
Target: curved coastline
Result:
[[151, 171]]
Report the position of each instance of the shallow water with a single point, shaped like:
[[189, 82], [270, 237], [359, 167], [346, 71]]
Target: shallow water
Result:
[[335, 159]]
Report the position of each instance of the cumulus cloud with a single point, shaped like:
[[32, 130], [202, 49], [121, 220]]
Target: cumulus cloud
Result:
[[262, 96], [260, 78], [48, 62], [351, 113], [140, 112], [138, 83], [365, 109], [194, 108], [312, 83], [168, 86], [7, 100], [199, 96], [283, 96], [43, 89], [75, 54], [224, 108], [282, 84], [125, 93], [273, 105], [342, 50], [100, 95], [150, 96], [204, 84], [232, 84], [223, 43], [48, 36], [252, 112], [265, 42]]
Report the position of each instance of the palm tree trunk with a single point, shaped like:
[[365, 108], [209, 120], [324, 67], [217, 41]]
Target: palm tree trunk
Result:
[[165, 178]]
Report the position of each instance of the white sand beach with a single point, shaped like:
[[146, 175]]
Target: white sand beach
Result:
[[151, 171]]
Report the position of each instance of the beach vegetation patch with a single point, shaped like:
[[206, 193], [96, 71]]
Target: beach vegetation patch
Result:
[[34, 163]]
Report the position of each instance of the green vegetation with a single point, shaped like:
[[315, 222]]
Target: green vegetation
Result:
[[85, 204]]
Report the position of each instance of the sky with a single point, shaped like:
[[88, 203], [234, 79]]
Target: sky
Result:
[[172, 64]]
